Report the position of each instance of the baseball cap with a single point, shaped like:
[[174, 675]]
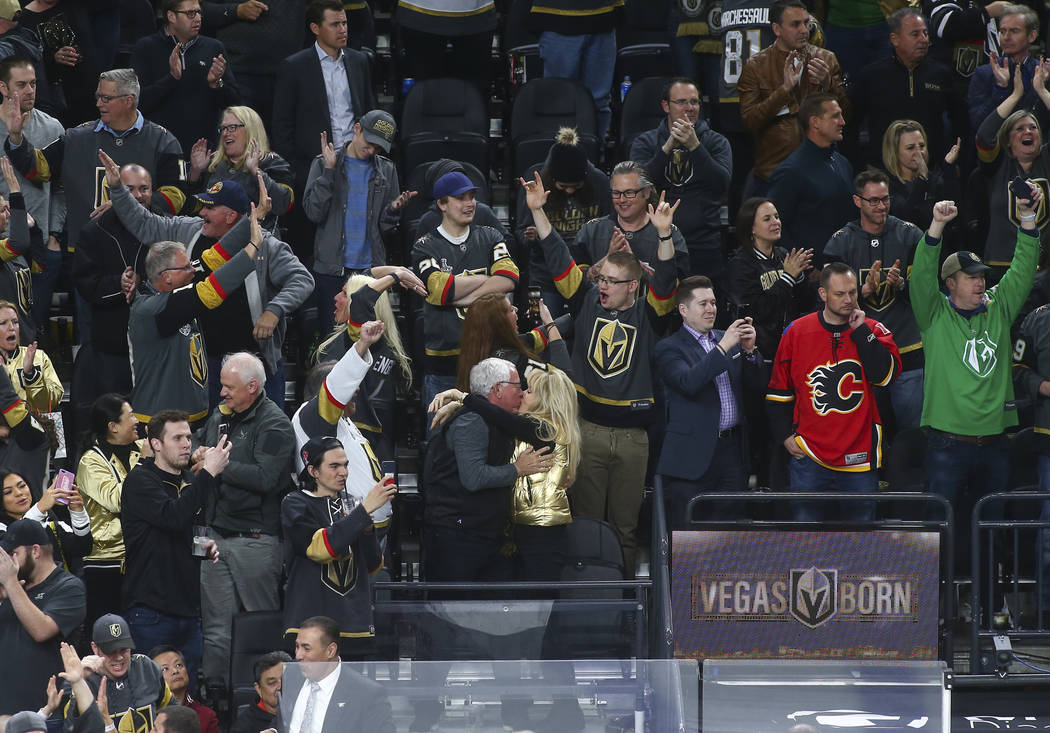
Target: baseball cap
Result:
[[111, 633], [967, 262], [26, 722], [24, 532], [378, 127], [316, 447], [452, 184], [225, 193], [8, 9]]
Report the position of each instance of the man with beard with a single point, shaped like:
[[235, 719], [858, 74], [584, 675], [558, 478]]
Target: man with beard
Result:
[[40, 605], [161, 501]]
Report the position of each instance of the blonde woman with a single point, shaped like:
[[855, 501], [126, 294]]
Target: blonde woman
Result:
[[361, 300], [243, 149], [914, 186]]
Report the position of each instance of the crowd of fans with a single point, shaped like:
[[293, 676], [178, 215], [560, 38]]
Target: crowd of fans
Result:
[[889, 211]]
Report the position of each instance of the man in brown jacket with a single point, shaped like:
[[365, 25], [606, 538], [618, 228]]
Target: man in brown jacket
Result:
[[776, 79]]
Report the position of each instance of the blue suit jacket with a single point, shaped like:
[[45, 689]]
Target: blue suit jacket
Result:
[[693, 405]]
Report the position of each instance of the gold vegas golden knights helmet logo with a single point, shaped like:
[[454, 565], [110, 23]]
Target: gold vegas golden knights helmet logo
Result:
[[198, 361], [115, 631], [136, 720], [340, 575], [611, 349]]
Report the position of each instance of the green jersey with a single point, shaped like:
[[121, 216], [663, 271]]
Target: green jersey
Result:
[[968, 360]]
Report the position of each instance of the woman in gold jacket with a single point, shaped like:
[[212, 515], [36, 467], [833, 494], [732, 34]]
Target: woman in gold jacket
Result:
[[111, 454], [32, 374]]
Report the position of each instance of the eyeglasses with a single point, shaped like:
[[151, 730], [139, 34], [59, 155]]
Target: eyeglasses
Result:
[[107, 98], [602, 280], [686, 102], [188, 267], [513, 384], [873, 201], [191, 14], [628, 193], [232, 127]]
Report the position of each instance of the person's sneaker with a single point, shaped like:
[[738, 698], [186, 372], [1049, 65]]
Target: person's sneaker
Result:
[[565, 716]]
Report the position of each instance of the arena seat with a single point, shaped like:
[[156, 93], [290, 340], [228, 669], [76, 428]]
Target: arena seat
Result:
[[641, 111], [444, 118], [254, 633], [540, 108]]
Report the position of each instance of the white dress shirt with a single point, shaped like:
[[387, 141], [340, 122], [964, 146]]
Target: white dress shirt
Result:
[[340, 104], [324, 697]]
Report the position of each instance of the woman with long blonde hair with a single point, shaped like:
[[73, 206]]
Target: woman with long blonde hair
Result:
[[364, 299], [243, 152], [914, 185]]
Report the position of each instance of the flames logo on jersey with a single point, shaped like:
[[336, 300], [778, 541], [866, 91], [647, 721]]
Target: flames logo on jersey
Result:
[[836, 387], [612, 346]]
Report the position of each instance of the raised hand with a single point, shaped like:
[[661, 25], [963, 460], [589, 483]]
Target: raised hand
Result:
[[894, 276], [13, 116], [252, 156], [953, 152], [200, 156], [74, 668], [175, 61], [410, 281], [1000, 69], [10, 178], [380, 494], [535, 196], [618, 242], [215, 72], [792, 71], [261, 210], [797, 261], [403, 199], [112, 169], [217, 457], [1030, 205], [327, 152], [662, 215], [30, 357], [871, 282], [371, 332]]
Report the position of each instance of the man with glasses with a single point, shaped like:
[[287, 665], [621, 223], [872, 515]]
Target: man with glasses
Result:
[[122, 132], [879, 247], [691, 162], [628, 229], [186, 78], [615, 333], [812, 187], [169, 361]]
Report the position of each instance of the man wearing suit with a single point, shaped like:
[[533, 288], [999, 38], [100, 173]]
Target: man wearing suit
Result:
[[321, 89], [703, 372], [319, 696]]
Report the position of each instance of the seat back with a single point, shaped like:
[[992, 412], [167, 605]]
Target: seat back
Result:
[[253, 634], [543, 106], [444, 118], [641, 111]]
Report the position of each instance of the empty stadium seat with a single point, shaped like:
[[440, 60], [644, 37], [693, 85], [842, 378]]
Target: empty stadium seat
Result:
[[540, 108], [641, 111], [444, 118], [253, 634]]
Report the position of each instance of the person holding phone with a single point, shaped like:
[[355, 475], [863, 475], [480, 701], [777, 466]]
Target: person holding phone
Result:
[[1010, 145], [61, 511]]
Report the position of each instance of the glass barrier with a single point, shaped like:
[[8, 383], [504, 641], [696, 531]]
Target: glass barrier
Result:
[[562, 696], [777, 696]]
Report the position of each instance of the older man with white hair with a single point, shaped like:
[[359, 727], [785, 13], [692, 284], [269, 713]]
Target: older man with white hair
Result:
[[246, 514]]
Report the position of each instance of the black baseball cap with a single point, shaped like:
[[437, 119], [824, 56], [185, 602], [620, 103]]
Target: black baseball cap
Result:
[[111, 632], [966, 262], [24, 532]]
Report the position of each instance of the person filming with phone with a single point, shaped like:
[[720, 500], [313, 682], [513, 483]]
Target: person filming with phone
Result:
[[70, 531]]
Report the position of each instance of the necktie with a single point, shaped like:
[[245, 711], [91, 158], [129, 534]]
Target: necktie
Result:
[[311, 703]]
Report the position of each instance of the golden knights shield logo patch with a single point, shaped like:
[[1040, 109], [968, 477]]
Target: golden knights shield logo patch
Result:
[[198, 361], [611, 348]]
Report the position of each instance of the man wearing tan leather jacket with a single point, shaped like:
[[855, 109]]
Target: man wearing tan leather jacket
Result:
[[774, 82]]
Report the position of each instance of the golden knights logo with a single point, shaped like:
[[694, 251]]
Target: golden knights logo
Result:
[[836, 387], [24, 287], [612, 346], [979, 355], [340, 575], [198, 360], [1042, 215], [679, 168], [101, 187], [814, 595], [884, 294], [136, 720]]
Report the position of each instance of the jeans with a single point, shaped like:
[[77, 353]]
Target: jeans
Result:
[[962, 473], [246, 578], [587, 57], [151, 628], [724, 474], [808, 475], [906, 396], [855, 48]]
